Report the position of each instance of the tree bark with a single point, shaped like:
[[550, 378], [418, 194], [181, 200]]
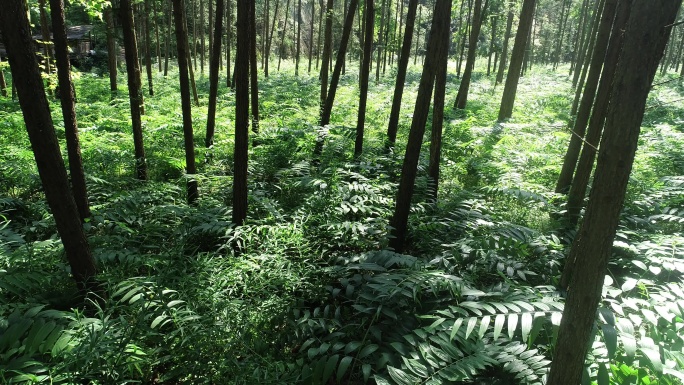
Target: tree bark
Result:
[[16, 33], [229, 41], [437, 49], [508, 98], [156, 36], [645, 40], [253, 83], [462, 96], [282, 37], [327, 44], [167, 43], [579, 129], [183, 64], [241, 114], [67, 99], [364, 76], [270, 38], [45, 31], [201, 33], [438, 121], [111, 48], [491, 45], [504, 51], [341, 53], [586, 162], [134, 91], [148, 42], [3, 83], [401, 74], [299, 35], [381, 41], [214, 74], [311, 33]]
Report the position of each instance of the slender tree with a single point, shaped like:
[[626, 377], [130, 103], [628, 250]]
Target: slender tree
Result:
[[253, 82], [3, 83], [513, 76], [645, 39], [67, 99], [579, 128], [381, 43], [492, 41], [134, 91], [167, 43], [45, 31], [241, 114], [327, 44], [299, 36], [229, 41], [438, 45], [401, 74], [281, 52], [183, 64], [148, 42], [156, 34], [16, 33], [478, 13], [504, 50], [214, 75], [311, 33], [270, 39], [341, 53], [364, 75], [111, 48]]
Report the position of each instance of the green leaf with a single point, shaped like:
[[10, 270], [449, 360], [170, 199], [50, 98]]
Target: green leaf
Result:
[[352, 346], [366, 370], [471, 326], [367, 350], [454, 329], [158, 320], [344, 365], [603, 378], [653, 357], [512, 325], [402, 377], [610, 338], [498, 325], [484, 325], [526, 325], [330, 367]]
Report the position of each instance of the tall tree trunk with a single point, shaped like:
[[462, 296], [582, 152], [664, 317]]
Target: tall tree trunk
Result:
[[327, 44], [579, 129], [16, 33], [464, 37], [201, 33], [401, 29], [134, 91], [311, 33], [341, 53], [299, 35], [264, 32], [415, 56], [45, 31], [156, 35], [401, 74], [3, 83], [586, 162], [508, 98], [645, 40], [241, 114], [66, 96], [183, 64], [270, 39], [504, 51], [193, 85], [214, 75], [491, 45], [281, 51], [364, 75], [320, 27], [579, 35], [111, 48], [211, 22], [565, 11], [229, 41], [167, 43], [148, 42], [253, 83], [381, 42], [437, 49], [438, 120], [583, 61], [462, 96]]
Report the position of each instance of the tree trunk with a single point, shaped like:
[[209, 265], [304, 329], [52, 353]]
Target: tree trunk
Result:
[[462, 96], [364, 75], [3, 83], [415, 56], [229, 41], [320, 26], [508, 98], [264, 32], [401, 74], [579, 129], [66, 96], [36, 110], [327, 44], [253, 83], [645, 40], [504, 51], [134, 91], [270, 38], [491, 45], [183, 64], [111, 48], [341, 53], [438, 120], [586, 162], [156, 36], [211, 22], [282, 37], [241, 114], [311, 33], [45, 31], [583, 61], [167, 43], [214, 75], [193, 85], [381, 43], [299, 35], [464, 36], [148, 42], [579, 35], [201, 33], [437, 49], [565, 11]]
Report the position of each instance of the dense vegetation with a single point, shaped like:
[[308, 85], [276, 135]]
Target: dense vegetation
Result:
[[310, 293]]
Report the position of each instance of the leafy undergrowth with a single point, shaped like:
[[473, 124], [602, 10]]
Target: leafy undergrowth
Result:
[[306, 291]]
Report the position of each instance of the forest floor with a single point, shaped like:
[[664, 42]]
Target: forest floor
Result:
[[306, 291]]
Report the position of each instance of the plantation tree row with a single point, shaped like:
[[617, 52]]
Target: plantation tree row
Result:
[[613, 49]]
